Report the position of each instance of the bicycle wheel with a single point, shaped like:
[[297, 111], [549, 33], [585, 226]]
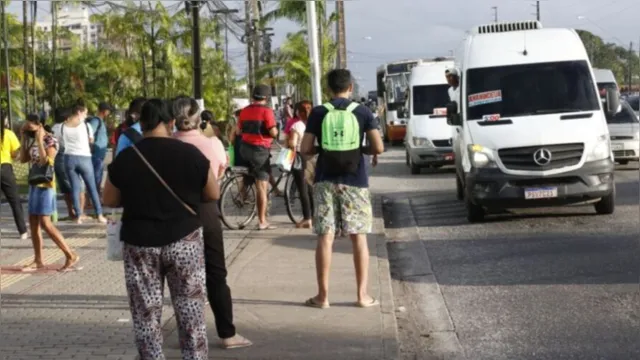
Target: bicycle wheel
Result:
[[237, 202], [292, 200]]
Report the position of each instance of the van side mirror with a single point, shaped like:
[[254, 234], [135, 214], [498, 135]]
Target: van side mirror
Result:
[[453, 118], [613, 101]]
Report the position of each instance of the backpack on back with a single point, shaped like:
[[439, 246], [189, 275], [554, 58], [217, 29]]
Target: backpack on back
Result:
[[340, 140]]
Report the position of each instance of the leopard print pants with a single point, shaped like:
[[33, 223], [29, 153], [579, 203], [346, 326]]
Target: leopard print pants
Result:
[[182, 264]]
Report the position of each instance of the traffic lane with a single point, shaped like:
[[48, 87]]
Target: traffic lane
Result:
[[555, 283]]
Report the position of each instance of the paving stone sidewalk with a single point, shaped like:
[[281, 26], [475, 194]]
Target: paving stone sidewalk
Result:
[[85, 314]]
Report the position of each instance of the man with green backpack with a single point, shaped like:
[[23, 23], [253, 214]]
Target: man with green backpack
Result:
[[341, 191]]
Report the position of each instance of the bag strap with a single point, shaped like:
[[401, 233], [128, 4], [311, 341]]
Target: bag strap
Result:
[[352, 107], [189, 209]]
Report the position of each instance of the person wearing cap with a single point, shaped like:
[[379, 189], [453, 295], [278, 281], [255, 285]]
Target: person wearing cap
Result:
[[257, 128], [453, 78], [101, 141]]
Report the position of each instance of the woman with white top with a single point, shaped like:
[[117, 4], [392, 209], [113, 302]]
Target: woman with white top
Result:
[[76, 138], [303, 109]]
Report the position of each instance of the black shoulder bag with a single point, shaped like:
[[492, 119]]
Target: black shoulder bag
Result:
[[40, 173]]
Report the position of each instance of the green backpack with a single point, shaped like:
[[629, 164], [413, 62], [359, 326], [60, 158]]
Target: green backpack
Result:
[[341, 140]]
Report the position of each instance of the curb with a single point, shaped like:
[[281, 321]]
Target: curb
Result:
[[390, 343]]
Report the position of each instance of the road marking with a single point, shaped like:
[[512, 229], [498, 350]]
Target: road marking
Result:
[[48, 256]]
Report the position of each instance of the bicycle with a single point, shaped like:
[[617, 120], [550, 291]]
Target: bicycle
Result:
[[238, 178]]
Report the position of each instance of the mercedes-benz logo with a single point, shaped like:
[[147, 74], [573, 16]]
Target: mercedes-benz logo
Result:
[[542, 157]]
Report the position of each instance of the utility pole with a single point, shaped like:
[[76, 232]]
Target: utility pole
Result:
[[256, 10], [312, 31], [495, 13], [195, 52], [538, 10], [227, 83], [54, 49], [7, 75], [25, 51], [341, 38], [630, 74], [248, 39], [34, 16], [267, 60]]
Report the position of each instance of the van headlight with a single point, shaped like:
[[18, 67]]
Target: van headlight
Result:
[[601, 150], [481, 157], [421, 142]]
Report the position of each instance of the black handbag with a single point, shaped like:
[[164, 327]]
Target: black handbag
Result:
[[41, 174]]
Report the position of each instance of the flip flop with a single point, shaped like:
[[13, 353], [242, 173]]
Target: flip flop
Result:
[[244, 343], [311, 302], [268, 227], [373, 302], [71, 268]]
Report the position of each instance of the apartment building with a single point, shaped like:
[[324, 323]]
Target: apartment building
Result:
[[75, 19]]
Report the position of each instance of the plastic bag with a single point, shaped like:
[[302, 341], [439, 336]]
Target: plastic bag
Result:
[[115, 246], [285, 159]]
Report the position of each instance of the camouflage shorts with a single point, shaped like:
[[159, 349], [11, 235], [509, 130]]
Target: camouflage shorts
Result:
[[341, 207]]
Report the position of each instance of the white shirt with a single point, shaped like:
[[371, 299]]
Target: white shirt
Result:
[[299, 127], [454, 95], [75, 140]]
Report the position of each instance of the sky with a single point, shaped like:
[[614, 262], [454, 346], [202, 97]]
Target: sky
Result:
[[381, 31]]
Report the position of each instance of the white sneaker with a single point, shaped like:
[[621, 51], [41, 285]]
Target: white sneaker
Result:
[[24, 236]]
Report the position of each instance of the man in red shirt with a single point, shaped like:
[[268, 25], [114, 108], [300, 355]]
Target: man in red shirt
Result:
[[257, 128]]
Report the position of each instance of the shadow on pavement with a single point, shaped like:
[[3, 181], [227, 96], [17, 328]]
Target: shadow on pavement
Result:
[[341, 245], [534, 259]]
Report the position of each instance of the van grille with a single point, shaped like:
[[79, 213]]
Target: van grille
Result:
[[522, 158], [441, 143], [508, 26]]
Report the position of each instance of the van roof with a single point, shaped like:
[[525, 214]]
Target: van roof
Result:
[[430, 73], [506, 48], [604, 76]]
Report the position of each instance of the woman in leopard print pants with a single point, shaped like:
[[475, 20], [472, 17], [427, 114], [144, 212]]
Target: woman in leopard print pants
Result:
[[159, 181]]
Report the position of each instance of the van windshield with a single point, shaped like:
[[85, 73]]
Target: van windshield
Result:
[[626, 116], [428, 97], [530, 89]]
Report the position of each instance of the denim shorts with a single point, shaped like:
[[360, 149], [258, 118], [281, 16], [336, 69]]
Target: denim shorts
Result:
[[42, 201]]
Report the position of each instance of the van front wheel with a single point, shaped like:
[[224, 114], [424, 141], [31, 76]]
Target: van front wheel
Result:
[[475, 213], [459, 189], [606, 205]]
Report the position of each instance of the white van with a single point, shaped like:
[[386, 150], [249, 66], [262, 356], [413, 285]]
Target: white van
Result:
[[605, 80], [530, 129], [428, 138]]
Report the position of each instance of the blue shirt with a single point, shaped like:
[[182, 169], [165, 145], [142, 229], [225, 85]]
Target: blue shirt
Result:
[[367, 122], [123, 140], [100, 138]]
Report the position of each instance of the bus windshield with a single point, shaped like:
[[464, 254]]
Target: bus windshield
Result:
[[530, 89], [396, 85]]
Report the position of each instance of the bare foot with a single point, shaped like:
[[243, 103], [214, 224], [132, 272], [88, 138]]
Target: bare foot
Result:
[[304, 224], [236, 342], [33, 266], [71, 261], [102, 219]]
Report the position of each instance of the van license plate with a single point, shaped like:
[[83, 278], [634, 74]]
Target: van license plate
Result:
[[617, 147], [541, 193]]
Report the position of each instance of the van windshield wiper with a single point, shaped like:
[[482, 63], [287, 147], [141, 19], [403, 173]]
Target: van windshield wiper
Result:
[[555, 111]]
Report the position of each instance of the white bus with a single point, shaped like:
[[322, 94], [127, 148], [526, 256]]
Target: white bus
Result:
[[392, 81]]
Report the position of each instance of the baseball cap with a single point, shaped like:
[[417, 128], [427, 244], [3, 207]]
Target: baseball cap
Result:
[[103, 106], [261, 92], [452, 71]]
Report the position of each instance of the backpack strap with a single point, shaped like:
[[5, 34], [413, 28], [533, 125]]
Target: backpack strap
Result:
[[352, 107], [329, 106]]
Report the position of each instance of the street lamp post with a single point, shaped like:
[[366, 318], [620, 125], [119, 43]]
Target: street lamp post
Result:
[[314, 56], [226, 13], [7, 76], [196, 53]]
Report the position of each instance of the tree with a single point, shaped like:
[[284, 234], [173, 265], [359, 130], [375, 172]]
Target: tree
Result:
[[620, 60]]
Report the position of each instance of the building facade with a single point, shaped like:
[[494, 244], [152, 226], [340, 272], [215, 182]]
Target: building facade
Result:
[[77, 20]]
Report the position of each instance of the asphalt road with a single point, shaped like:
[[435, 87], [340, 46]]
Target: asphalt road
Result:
[[559, 283]]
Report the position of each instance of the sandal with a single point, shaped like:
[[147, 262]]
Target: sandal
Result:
[[242, 343], [311, 302], [266, 227], [373, 302]]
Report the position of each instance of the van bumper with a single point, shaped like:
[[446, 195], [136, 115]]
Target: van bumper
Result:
[[431, 156], [492, 188]]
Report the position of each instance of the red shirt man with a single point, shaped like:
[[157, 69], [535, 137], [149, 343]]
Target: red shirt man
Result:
[[257, 129]]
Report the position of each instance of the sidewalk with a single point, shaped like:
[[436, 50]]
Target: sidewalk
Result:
[[85, 314]]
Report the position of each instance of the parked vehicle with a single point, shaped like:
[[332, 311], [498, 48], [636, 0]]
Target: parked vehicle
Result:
[[530, 129], [428, 139], [634, 102], [624, 129]]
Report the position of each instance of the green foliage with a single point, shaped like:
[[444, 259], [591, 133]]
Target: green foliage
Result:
[[145, 50], [612, 56]]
